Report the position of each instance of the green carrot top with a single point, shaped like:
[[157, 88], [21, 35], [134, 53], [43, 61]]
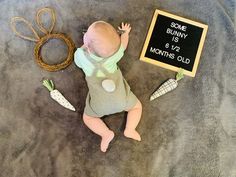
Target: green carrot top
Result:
[[49, 84], [180, 74]]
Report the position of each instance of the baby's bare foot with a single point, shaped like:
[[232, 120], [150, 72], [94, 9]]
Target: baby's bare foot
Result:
[[133, 134], [106, 139]]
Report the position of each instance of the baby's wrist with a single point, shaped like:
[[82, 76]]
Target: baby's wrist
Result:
[[125, 33]]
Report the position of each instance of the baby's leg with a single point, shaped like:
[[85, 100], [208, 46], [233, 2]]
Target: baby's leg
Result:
[[133, 118], [100, 128]]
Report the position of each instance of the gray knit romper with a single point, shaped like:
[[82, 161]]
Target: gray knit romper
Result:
[[99, 102]]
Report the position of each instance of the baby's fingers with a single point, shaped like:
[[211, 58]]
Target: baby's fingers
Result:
[[122, 25], [127, 25]]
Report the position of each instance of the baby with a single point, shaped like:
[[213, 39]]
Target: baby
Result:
[[109, 92]]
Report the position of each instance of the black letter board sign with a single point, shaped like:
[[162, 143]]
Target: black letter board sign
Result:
[[174, 42]]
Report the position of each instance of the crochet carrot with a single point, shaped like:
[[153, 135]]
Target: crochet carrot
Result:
[[56, 95], [167, 86]]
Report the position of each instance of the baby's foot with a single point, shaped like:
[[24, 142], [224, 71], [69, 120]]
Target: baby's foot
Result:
[[133, 134], [106, 139]]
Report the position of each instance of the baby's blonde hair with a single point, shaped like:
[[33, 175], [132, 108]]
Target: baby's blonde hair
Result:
[[102, 39]]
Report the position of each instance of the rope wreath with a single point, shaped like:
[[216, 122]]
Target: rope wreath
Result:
[[41, 41]]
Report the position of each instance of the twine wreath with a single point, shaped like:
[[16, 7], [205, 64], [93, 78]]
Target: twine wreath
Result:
[[41, 41]]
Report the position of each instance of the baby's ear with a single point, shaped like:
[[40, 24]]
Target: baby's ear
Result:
[[85, 39]]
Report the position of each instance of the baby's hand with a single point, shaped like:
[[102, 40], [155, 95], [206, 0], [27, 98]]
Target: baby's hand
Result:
[[125, 28]]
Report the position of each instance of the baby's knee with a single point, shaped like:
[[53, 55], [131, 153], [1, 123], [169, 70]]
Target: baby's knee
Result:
[[139, 105], [85, 118]]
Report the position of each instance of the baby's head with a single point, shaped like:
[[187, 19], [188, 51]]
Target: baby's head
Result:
[[102, 39]]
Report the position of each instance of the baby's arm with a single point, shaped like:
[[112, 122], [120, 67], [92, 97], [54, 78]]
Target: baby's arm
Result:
[[125, 28]]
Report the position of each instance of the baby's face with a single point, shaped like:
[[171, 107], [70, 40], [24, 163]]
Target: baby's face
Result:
[[102, 39]]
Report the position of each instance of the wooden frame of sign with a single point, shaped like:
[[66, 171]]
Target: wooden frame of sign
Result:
[[177, 42]]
